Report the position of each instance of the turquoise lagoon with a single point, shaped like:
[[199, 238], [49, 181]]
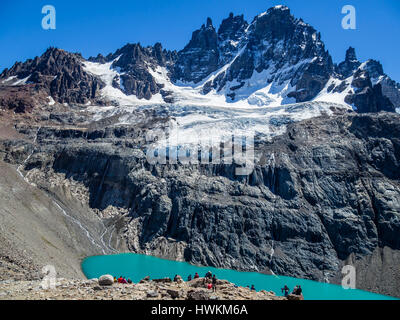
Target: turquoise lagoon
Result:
[[137, 266]]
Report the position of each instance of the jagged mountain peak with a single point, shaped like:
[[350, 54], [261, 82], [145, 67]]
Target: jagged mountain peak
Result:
[[349, 65], [232, 28], [277, 59], [209, 24], [57, 72], [373, 67], [351, 55]]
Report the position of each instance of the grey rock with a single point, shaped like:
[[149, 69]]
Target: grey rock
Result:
[[198, 295], [152, 294], [106, 280], [174, 293]]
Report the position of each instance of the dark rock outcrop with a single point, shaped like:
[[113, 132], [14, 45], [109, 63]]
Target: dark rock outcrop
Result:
[[59, 73], [346, 68], [133, 61], [200, 57]]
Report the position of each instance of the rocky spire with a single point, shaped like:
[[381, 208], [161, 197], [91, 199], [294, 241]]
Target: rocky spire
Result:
[[349, 65], [351, 55], [209, 23]]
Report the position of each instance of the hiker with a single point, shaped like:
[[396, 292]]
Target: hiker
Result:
[[208, 275], [294, 290], [196, 275], [129, 281], [120, 279], [214, 283], [253, 288], [209, 286], [189, 278], [124, 281], [285, 290], [176, 278], [299, 291], [115, 280]]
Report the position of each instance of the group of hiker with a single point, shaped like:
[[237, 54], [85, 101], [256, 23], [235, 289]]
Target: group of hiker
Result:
[[122, 280], [210, 282], [297, 290]]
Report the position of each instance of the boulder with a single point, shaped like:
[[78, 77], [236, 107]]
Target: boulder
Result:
[[152, 294], [295, 297], [201, 294], [164, 280], [198, 283], [173, 293], [106, 280], [144, 280]]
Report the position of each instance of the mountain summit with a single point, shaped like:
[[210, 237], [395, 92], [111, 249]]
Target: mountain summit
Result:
[[275, 60]]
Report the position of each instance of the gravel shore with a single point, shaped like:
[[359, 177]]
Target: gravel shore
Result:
[[162, 289]]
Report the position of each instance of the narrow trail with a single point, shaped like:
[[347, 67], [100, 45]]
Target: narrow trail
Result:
[[102, 244]]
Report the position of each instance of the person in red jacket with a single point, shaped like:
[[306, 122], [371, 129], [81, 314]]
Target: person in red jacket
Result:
[[196, 276]]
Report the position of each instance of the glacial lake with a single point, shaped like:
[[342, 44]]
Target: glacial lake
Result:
[[137, 266]]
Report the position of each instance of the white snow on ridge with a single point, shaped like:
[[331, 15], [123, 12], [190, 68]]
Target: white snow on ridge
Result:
[[210, 123], [261, 107], [335, 97], [13, 81], [107, 74]]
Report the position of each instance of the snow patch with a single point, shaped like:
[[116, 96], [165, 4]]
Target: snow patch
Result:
[[51, 101]]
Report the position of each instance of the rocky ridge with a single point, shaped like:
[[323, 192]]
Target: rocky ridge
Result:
[[161, 289]]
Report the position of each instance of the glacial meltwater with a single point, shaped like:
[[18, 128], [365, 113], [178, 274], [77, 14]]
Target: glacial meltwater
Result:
[[136, 267]]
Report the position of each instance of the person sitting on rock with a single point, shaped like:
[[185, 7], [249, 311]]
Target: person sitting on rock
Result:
[[196, 275], [209, 286], [124, 281], [120, 279], [129, 281], [299, 290], [208, 275], [253, 288], [115, 280], [189, 278], [176, 278]]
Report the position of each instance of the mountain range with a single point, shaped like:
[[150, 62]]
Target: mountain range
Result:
[[274, 60]]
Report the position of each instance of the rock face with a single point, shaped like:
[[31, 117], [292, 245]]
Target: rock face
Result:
[[60, 74], [325, 190], [200, 57], [133, 61], [368, 83]]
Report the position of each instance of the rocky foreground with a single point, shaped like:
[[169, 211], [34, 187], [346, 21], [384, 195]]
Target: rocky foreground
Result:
[[162, 289]]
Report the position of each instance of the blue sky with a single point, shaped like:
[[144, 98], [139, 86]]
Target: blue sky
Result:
[[102, 26]]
